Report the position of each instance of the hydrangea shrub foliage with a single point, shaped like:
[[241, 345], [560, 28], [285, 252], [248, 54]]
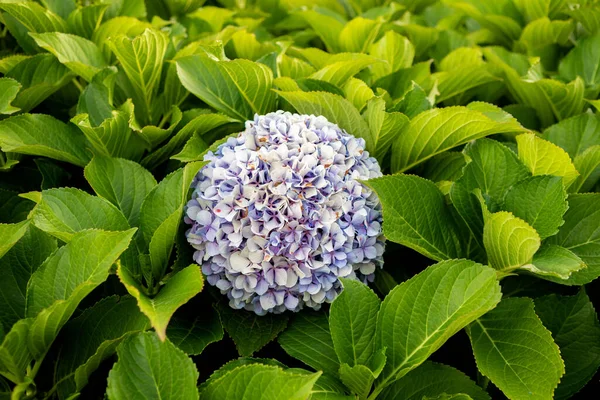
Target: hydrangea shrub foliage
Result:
[[299, 199]]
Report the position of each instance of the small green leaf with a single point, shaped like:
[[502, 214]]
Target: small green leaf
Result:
[[151, 369], [308, 339], [64, 212], [554, 261], [238, 88], [588, 166], [358, 379], [177, 291], [84, 21], [580, 234], [461, 290], [8, 92], [122, 182], [93, 337], [10, 234], [43, 135], [435, 131], [575, 329], [352, 321], [15, 356], [78, 54], [250, 332], [65, 278], [583, 61], [384, 126], [432, 379], [193, 335], [338, 72], [541, 201], [429, 230], [515, 351], [545, 158], [254, 381]]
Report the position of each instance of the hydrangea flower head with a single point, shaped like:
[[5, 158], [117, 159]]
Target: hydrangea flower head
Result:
[[278, 214]]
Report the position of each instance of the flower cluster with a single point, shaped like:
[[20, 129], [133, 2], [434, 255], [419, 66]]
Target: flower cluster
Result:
[[278, 214]]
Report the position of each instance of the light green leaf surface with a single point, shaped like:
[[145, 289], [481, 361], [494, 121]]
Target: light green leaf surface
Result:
[[178, 290], [11, 234], [554, 261], [151, 369], [515, 351], [588, 166], [9, 88], [397, 52], [429, 230], [412, 328], [576, 134], [43, 135]]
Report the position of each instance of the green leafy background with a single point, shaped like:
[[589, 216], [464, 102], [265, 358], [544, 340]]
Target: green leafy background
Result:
[[482, 114]]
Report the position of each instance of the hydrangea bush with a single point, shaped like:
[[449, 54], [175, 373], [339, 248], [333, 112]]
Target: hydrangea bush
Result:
[[299, 199], [279, 214]]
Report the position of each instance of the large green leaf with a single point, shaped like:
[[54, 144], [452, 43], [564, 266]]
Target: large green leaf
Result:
[[352, 321], [93, 337], [545, 158], [338, 72], [43, 135], [64, 212], [17, 266], [432, 379], [515, 351], [583, 61], [412, 328], [575, 329], [308, 339], [581, 235], [435, 131], [65, 278], [238, 88], [430, 230], [395, 50], [122, 182], [40, 76], [78, 54], [540, 201], [255, 381], [152, 369], [250, 332], [576, 134], [142, 61], [335, 108], [177, 291]]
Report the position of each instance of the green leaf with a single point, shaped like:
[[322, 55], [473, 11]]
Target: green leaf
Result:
[[255, 381], [461, 290], [93, 337], [96, 98], [122, 182], [162, 243], [15, 356], [193, 335], [152, 369], [580, 235], [64, 212], [540, 201], [333, 107], [509, 241], [238, 88], [435, 131], [326, 27], [358, 34], [432, 379], [308, 339], [250, 332], [17, 266], [78, 54], [40, 76], [414, 102], [385, 127], [177, 291], [85, 20], [352, 321], [400, 82], [10, 234], [493, 168], [328, 388], [338, 72], [583, 61], [588, 166], [359, 379], [60, 7], [545, 158], [53, 175], [142, 60], [429, 230], [395, 50], [357, 92], [515, 351], [576, 134], [8, 92], [554, 261], [575, 329], [34, 17], [65, 278], [43, 135], [587, 15]]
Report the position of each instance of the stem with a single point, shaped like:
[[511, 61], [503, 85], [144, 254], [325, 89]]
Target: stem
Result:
[[164, 119], [78, 85]]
